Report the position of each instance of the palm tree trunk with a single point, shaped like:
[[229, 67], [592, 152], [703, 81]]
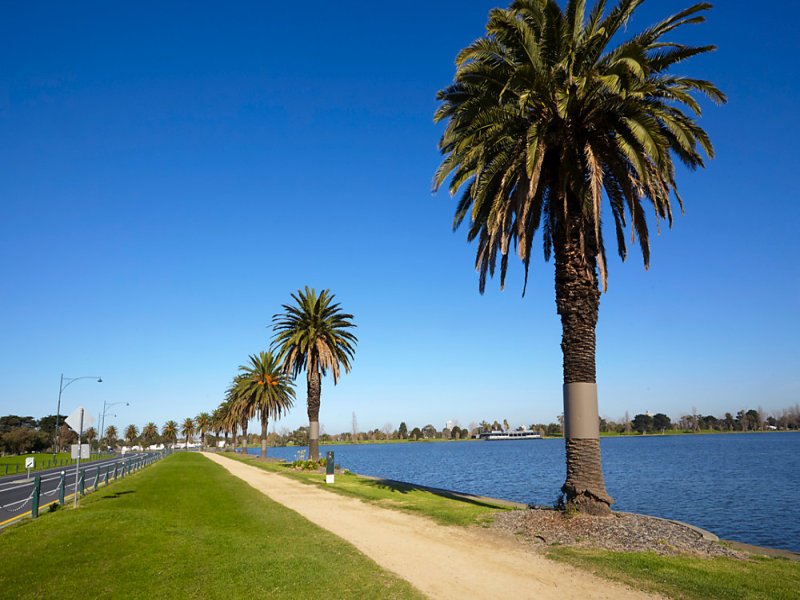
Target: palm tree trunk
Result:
[[264, 426], [578, 301], [314, 393]]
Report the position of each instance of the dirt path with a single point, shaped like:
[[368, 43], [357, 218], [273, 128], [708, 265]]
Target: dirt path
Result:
[[441, 561]]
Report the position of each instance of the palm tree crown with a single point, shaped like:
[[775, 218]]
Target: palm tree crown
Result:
[[313, 334], [543, 117]]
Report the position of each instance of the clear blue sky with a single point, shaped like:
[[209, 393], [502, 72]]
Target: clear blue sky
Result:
[[170, 172]]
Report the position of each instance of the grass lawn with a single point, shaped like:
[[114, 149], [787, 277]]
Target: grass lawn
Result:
[[691, 578], [442, 507], [185, 528], [43, 461]]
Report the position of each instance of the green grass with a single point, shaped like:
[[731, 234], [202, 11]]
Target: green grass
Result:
[[43, 461], [691, 578], [184, 528], [443, 507]]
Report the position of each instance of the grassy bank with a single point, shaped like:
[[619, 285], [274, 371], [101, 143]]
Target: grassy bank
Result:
[[680, 577], [184, 528], [691, 578], [43, 461], [448, 509]]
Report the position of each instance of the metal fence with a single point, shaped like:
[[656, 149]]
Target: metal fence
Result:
[[90, 478], [50, 463]]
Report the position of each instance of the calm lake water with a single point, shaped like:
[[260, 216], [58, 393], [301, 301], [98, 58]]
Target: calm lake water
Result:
[[743, 487]]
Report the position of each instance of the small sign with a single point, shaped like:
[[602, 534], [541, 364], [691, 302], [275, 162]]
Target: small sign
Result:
[[74, 420], [30, 462], [79, 450]]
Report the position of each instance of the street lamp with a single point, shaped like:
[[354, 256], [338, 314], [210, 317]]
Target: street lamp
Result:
[[65, 382], [106, 406]]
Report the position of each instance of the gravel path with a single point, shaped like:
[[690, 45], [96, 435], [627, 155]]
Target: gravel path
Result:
[[622, 531], [440, 561]]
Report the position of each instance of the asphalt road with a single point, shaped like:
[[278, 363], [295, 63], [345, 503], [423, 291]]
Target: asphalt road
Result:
[[16, 490]]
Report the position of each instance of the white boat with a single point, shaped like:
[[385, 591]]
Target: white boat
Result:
[[510, 435]]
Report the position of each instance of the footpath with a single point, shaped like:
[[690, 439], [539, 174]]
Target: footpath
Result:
[[441, 561]]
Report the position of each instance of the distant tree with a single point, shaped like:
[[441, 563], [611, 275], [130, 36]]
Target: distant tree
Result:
[[66, 436], [90, 435], [169, 432], [9, 422], [642, 423], [131, 433], [754, 420], [402, 431], [415, 434], [111, 436], [446, 433], [48, 424], [661, 422], [730, 423], [429, 432], [554, 430], [456, 432], [20, 440], [203, 424], [387, 429], [505, 425], [187, 429], [149, 435]]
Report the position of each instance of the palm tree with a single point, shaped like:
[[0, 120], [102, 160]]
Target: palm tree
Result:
[[203, 424], [312, 334], [542, 118], [265, 391], [149, 435], [233, 411], [111, 436], [218, 424], [131, 433], [90, 434], [187, 429], [170, 432]]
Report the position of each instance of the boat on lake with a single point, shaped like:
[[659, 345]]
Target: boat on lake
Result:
[[493, 436]]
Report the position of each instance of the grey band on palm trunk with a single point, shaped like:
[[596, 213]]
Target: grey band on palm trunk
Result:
[[581, 419], [313, 430]]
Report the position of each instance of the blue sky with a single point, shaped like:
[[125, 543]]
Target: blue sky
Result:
[[171, 172]]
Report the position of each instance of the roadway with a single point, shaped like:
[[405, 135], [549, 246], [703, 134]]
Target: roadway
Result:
[[16, 490]]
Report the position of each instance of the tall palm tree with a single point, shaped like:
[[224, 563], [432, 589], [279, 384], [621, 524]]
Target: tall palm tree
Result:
[[203, 424], [170, 432], [218, 423], [131, 433], [265, 391], [312, 334], [111, 436], [233, 406], [149, 435], [187, 429], [543, 120]]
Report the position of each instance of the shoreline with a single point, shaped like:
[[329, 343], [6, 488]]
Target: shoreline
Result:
[[704, 533]]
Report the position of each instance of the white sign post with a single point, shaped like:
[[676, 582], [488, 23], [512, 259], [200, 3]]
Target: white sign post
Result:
[[80, 418], [30, 463]]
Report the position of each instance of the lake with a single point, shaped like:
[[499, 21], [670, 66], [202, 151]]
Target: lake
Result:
[[743, 487]]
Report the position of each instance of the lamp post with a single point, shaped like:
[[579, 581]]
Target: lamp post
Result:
[[65, 382], [106, 406]]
